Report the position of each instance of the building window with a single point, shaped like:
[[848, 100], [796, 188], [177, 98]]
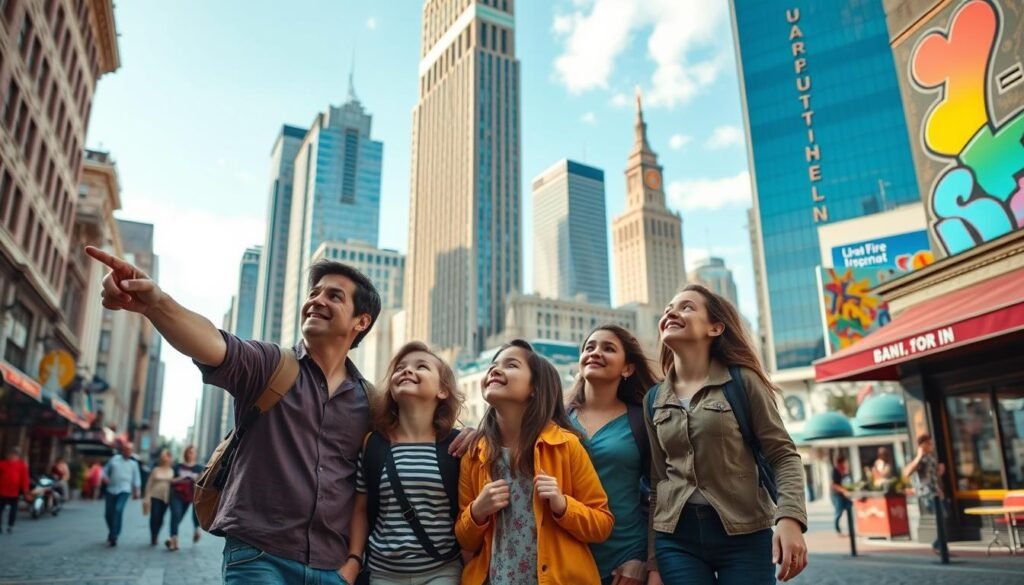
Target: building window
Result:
[[975, 445], [18, 322], [101, 373], [44, 77], [105, 341], [348, 179], [11, 104], [12, 219], [24, 34], [7, 8]]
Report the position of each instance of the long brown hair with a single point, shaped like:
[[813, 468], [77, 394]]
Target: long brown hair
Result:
[[633, 388], [545, 407], [385, 413], [732, 347]]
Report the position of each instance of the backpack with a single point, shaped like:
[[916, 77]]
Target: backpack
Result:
[[736, 396], [211, 482], [377, 456]]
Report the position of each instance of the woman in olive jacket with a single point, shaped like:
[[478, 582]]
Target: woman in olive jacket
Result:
[[711, 520]]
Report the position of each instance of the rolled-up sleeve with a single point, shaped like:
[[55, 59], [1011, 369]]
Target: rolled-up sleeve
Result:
[[246, 368]]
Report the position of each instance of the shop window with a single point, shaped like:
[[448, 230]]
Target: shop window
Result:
[[975, 446], [1010, 403], [16, 328]]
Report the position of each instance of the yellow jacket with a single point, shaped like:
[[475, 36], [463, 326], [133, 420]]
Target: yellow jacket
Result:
[[563, 557]]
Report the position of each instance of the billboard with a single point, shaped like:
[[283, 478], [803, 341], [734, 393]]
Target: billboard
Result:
[[894, 254], [962, 84]]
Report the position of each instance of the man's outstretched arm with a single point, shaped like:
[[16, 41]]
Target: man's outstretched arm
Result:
[[126, 288]]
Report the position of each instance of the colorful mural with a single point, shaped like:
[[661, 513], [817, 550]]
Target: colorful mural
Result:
[[967, 68], [851, 310]]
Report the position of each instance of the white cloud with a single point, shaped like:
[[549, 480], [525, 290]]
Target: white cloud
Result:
[[199, 255], [678, 29], [371, 23], [589, 119], [620, 100], [724, 137], [678, 141], [711, 194]]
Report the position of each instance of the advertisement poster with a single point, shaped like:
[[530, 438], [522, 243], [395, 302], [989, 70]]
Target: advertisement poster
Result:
[[851, 309]]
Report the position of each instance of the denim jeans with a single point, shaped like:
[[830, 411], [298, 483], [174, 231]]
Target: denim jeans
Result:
[[157, 512], [701, 553], [840, 504], [245, 564], [115, 513], [178, 509], [927, 503]]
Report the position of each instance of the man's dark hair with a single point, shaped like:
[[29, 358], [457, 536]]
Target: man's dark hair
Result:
[[922, 439], [366, 299]]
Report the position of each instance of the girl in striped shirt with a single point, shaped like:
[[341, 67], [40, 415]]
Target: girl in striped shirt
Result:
[[407, 483]]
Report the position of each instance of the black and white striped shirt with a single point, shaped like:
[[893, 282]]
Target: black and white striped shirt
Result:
[[393, 545]]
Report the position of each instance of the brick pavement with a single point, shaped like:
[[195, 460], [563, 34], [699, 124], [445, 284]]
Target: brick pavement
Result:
[[70, 549]]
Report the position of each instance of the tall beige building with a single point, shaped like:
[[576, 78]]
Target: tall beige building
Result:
[[464, 234], [648, 238]]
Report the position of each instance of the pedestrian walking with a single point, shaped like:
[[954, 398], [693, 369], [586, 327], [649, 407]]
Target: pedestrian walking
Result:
[[720, 455], [841, 502], [61, 474], [93, 481], [406, 460], [926, 472], [13, 485], [530, 497], [157, 498], [182, 491], [122, 478], [606, 404]]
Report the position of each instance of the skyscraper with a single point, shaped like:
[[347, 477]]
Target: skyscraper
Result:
[[570, 236], [336, 196], [273, 262], [648, 238], [464, 238], [245, 305], [826, 140], [713, 273]]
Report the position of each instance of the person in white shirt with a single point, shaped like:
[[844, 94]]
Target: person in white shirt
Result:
[[122, 477]]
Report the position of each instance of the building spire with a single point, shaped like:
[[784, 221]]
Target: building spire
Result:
[[351, 78], [641, 144]]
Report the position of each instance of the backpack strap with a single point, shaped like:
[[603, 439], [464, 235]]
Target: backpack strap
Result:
[[635, 414], [375, 448], [408, 512], [652, 392], [448, 465], [737, 397], [281, 382], [286, 372]]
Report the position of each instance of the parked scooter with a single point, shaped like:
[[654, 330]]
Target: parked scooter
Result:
[[44, 497]]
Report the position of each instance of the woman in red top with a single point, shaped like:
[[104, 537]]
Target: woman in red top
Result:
[[13, 483]]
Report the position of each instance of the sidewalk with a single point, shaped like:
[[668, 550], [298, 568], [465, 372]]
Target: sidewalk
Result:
[[72, 549]]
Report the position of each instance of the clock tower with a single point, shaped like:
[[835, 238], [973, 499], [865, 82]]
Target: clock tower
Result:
[[647, 236]]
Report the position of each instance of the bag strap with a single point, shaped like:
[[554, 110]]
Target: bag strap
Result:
[[449, 465], [635, 414], [408, 513], [373, 464], [652, 392], [737, 397], [286, 372]]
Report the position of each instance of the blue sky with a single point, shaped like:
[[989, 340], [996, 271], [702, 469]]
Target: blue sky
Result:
[[205, 86]]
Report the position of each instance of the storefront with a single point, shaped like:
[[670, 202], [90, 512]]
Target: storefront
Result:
[[956, 344]]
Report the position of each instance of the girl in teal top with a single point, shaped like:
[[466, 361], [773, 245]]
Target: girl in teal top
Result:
[[614, 377]]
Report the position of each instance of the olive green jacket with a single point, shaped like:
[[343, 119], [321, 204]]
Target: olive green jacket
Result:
[[702, 448]]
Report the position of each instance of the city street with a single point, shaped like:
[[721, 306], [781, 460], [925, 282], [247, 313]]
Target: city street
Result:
[[71, 549]]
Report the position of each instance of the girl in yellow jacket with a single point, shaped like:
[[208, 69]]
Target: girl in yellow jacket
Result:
[[530, 498]]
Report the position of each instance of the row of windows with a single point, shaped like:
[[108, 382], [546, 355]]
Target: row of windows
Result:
[[38, 245]]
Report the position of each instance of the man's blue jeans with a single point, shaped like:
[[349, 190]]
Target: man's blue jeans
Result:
[[115, 513], [841, 504], [700, 552], [245, 564]]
